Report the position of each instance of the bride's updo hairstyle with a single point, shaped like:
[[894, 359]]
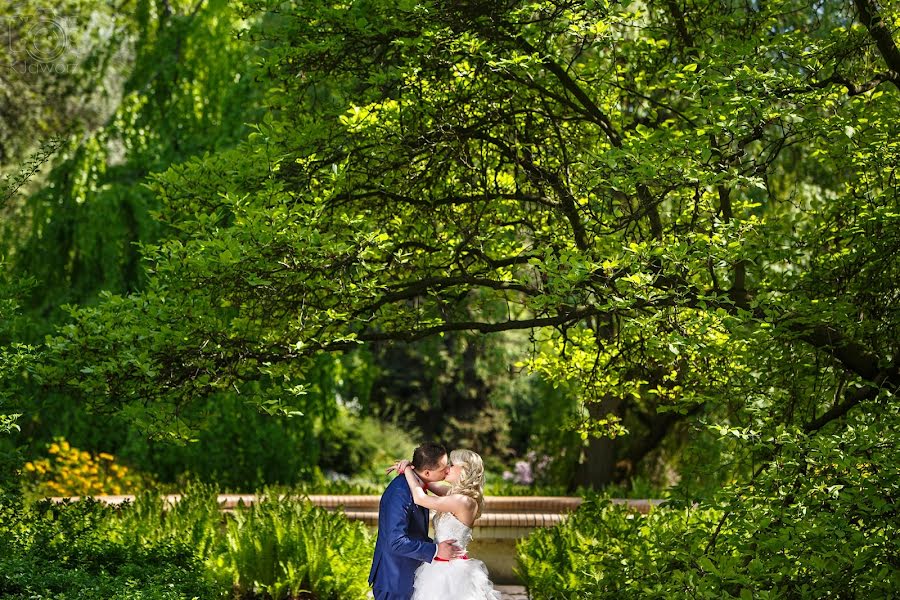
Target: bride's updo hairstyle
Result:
[[471, 477]]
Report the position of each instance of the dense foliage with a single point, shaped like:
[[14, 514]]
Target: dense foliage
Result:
[[59, 65], [692, 210], [762, 548], [274, 549], [285, 549], [176, 82], [681, 217], [49, 551]]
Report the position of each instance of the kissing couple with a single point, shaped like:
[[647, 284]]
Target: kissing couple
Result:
[[407, 564]]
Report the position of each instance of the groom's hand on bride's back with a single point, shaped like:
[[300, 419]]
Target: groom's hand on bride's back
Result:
[[448, 550]]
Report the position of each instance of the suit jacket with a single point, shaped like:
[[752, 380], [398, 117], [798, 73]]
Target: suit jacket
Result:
[[403, 543]]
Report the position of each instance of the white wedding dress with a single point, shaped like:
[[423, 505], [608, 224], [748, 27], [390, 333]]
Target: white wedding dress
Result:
[[459, 579]]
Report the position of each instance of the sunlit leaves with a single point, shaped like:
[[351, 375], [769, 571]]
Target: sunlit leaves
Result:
[[669, 202]]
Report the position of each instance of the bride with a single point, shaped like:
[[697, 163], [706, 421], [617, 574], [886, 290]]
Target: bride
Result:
[[457, 506]]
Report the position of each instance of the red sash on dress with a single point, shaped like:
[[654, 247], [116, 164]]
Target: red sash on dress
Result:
[[463, 557]]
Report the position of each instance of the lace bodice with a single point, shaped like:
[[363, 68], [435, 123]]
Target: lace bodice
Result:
[[448, 527]]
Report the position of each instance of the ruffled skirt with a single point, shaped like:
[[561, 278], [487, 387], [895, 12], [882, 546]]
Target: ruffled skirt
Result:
[[454, 580]]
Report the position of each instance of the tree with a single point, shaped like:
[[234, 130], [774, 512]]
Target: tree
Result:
[[184, 90], [693, 207], [133, 92]]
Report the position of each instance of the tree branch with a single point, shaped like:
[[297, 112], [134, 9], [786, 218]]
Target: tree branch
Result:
[[852, 355], [597, 115], [861, 395], [871, 18], [413, 335], [678, 17], [853, 89], [567, 202]]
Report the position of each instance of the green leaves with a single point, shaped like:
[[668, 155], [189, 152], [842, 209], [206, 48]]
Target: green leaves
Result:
[[284, 548], [666, 200], [768, 538], [155, 550], [606, 551]]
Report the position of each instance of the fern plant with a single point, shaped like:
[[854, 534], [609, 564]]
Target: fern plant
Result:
[[291, 549], [195, 519]]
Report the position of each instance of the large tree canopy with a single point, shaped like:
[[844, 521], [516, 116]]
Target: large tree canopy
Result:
[[692, 207]]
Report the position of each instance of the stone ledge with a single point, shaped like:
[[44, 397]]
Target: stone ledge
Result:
[[499, 511], [487, 520]]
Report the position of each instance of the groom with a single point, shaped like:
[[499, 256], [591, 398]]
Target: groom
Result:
[[403, 543]]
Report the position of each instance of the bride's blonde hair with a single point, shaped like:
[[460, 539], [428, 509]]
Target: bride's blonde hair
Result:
[[471, 477]]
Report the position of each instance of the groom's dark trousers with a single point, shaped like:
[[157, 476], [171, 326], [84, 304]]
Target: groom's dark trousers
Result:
[[402, 544]]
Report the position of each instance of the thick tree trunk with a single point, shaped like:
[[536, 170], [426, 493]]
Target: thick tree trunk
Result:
[[597, 468], [598, 465]]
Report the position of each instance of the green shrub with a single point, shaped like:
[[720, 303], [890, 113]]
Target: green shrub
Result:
[[353, 445], [66, 552], [494, 486], [237, 449], [272, 550], [607, 551], [287, 548], [195, 520], [276, 548], [761, 547]]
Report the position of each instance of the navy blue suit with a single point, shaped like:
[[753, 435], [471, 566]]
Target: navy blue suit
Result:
[[402, 545]]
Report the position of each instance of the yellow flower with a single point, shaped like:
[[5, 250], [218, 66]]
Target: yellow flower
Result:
[[29, 466], [54, 448], [106, 456]]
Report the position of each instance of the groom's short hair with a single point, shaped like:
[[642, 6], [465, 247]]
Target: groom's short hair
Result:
[[427, 456]]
